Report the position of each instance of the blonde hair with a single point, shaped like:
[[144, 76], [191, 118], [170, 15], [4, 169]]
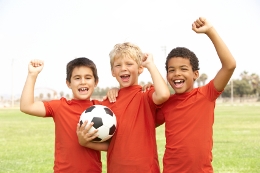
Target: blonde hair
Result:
[[126, 49]]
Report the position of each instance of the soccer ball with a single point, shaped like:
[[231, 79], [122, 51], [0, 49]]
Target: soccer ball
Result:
[[104, 120]]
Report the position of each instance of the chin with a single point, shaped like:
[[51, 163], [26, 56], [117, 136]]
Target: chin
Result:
[[124, 85], [83, 97]]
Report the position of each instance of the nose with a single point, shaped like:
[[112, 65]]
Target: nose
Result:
[[123, 67], [83, 80], [177, 72]]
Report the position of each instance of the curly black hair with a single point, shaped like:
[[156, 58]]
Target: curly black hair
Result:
[[184, 53]]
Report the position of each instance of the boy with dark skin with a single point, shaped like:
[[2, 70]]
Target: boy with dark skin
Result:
[[189, 113]]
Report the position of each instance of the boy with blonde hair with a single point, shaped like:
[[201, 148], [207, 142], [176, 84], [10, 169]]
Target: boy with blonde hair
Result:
[[133, 147]]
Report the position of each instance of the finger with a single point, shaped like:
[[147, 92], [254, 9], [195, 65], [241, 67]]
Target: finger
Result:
[[144, 57], [194, 27], [82, 125], [115, 94], [199, 22], [88, 127], [91, 135], [202, 19], [110, 96], [36, 63], [197, 25], [78, 127]]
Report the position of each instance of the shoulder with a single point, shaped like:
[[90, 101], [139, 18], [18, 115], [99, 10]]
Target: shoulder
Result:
[[54, 103], [208, 86], [209, 91]]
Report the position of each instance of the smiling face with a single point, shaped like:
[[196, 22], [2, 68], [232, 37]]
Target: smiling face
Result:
[[180, 74], [126, 71], [82, 83]]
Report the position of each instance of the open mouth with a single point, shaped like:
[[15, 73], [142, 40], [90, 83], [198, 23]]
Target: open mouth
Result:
[[83, 89], [125, 77], [178, 83]]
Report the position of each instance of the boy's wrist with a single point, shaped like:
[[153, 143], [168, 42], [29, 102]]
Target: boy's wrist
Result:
[[210, 31], [151, 66], [33, 75]]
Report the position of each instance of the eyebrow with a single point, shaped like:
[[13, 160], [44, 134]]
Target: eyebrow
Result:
[[89, 75], [178, 66]]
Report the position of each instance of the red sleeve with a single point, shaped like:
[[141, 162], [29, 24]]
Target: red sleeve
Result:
[[211, 92], [159, 117], [51, 107]]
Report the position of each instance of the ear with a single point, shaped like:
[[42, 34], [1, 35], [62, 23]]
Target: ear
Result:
[[112, 72], [68, 84], [195, 75], [140, 70], [96, 83]]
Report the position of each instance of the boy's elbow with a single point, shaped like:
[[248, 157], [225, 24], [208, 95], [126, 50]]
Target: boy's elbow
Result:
[[232, 65], [23, 109], [166, 96], [163, 98]]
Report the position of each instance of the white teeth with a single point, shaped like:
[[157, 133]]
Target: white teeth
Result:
[[178, 81], [83, 89]]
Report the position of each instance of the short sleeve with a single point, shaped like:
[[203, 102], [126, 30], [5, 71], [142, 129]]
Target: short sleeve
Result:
[[159, 117]]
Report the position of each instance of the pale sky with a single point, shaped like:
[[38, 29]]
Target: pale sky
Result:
[[58, 31]]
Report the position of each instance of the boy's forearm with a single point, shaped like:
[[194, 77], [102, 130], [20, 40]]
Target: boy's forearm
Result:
[[27, 97], [161, 90], [103, 146]]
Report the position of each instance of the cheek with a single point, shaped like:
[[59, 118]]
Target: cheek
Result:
[[168, 76]]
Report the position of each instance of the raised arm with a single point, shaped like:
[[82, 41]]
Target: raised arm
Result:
[[228, 62], [27, 103], [162, 92]]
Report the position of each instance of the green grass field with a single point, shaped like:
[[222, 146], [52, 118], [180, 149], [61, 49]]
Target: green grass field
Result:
[[27, 142]]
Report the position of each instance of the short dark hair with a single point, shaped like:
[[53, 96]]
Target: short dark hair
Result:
[[79, 62], [184, 53]]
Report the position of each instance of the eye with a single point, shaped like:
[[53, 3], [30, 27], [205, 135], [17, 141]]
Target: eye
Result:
[[171, 70]]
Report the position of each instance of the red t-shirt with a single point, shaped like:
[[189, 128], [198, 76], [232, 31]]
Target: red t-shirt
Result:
[[70, 156], [133, 147], [189, 119]]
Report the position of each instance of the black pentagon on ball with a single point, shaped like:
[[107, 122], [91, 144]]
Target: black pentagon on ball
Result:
[[112, 130], [97, 122], [108, 111], [97, 139], [89, 109]]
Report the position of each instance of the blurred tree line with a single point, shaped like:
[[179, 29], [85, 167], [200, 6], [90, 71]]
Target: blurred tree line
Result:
[[247, 85]]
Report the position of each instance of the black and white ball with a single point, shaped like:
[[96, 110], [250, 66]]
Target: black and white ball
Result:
[[104, 120]]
